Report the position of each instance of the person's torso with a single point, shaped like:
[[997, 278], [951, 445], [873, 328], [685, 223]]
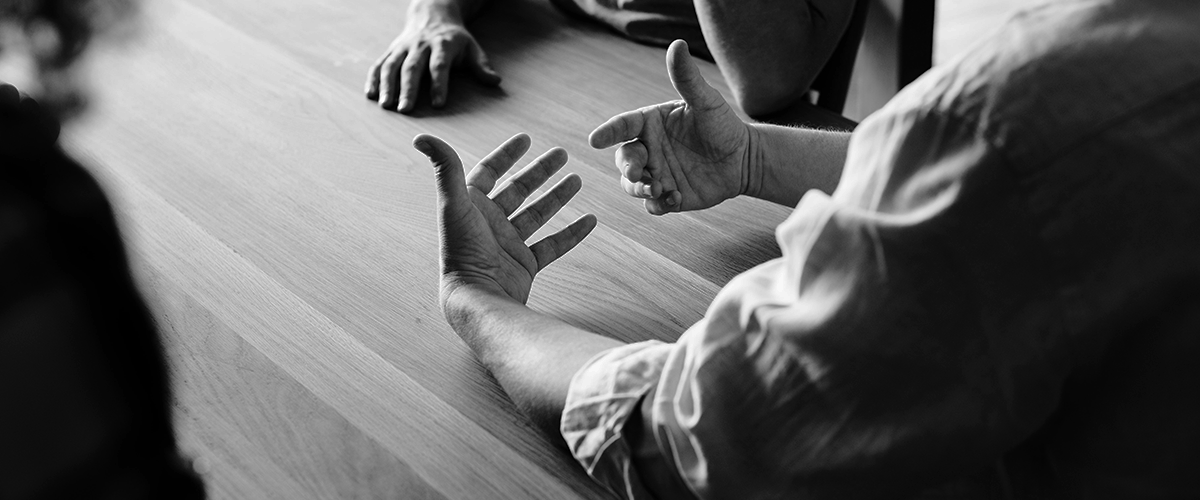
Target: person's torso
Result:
[[1095, 106]]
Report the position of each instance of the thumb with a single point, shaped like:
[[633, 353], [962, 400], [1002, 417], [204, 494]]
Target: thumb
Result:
[[686, 79], [451, 181]]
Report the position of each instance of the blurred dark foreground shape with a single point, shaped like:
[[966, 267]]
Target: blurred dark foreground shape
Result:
[[82, 376], [85, 407]]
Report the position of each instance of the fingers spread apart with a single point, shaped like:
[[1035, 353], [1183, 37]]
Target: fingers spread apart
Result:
[[483, 177], [453, 195], [550, 248], [537, 214], [517, 188]]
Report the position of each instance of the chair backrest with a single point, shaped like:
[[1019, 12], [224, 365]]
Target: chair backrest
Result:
[[833, 82], [914, 51], [915, 40]]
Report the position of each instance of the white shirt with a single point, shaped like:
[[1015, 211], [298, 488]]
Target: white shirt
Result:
[[1002, 298]]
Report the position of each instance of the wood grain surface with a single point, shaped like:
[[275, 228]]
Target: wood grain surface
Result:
[[283, 230]]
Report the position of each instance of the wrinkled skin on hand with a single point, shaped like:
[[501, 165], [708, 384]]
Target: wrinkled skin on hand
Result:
[[680, 155], [482, 239], [430, 44]]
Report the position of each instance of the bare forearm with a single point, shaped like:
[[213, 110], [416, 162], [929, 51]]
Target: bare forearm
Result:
[[786, 162], [460, 11], [771, 50], [532, 355]]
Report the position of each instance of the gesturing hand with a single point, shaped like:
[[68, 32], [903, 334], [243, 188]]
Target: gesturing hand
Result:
[[481, 244], [433, 41], [680, 155]]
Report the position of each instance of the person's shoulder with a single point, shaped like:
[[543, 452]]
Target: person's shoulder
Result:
[[1057, 74]]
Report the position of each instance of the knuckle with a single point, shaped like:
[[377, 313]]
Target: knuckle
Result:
[[522, 186], [537, 214]]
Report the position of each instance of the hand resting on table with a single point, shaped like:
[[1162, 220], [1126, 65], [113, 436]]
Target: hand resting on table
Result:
[[434, 40]]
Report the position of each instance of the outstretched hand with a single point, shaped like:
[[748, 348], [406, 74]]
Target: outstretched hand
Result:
[[433, 43], [680, 155], [482, 240]]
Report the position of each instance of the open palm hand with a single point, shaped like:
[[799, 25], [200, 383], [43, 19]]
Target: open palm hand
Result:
[[482, 240]]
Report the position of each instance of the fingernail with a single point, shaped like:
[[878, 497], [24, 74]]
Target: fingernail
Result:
[[671, 200], [423, 147], [646, 191]]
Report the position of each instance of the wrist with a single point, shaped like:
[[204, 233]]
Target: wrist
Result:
[[467, 301], [452, 282], [430, 12], [752, 164]]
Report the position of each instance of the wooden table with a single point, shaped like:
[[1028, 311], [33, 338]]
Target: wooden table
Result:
[[283, 230]]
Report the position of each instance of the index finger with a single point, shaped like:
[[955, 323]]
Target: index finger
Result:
[[624, 127]]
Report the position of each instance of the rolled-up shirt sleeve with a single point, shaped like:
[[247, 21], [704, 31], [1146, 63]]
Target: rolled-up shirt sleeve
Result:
[[603, 395], [908, 335]]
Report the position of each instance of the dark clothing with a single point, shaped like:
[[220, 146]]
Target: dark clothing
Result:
[[654, 22], [82, 375]]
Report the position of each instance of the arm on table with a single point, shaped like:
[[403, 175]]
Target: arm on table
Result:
[[532, 355], [487, 271], [434, 39], [770, 51]]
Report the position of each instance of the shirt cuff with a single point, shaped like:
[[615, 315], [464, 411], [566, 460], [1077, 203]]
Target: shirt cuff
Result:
[[602, 396]]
